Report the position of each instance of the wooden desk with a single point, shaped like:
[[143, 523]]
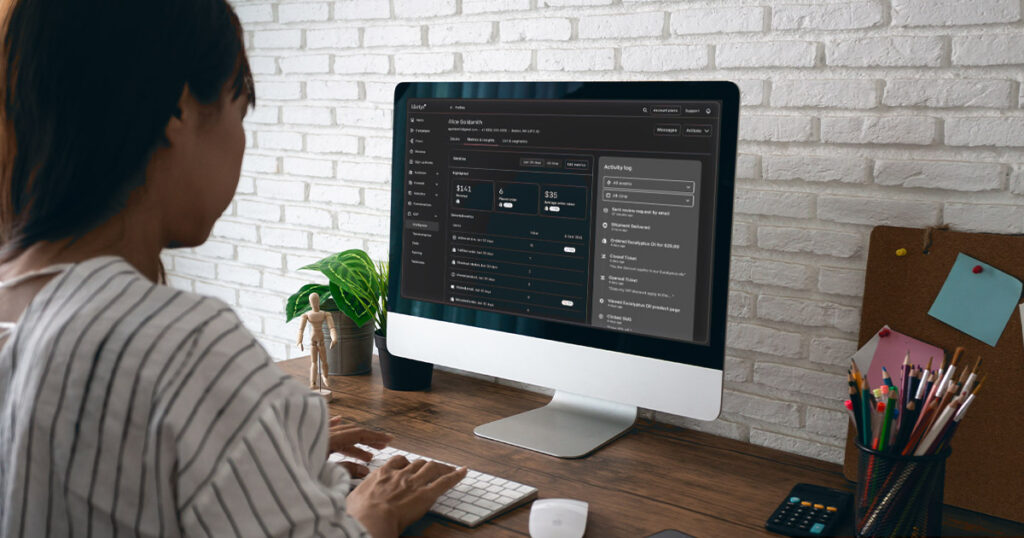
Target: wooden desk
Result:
[[655, 477]]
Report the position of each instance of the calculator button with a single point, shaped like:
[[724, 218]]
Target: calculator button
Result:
[[817, 528], [805, 503], [832, 509], [819, 506], [794, 499]]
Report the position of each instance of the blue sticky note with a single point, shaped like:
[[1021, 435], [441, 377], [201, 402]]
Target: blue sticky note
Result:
[[979, 304]]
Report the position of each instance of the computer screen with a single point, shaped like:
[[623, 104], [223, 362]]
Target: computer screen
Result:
[[591, 213], [574, 235]]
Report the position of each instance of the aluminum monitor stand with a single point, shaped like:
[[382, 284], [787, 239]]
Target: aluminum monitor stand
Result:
[[569, 426]]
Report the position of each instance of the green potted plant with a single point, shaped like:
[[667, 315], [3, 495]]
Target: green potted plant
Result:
[[362, 287], [351, 296]]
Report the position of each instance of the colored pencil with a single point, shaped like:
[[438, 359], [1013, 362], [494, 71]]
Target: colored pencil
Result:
[[886, 378], [905, 381], [883, 436]]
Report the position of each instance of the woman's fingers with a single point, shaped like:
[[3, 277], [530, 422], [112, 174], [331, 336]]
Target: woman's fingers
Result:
[[414, 467], [357, 434], [342, 438], [431, 471], [446, 482], [335, 421], [354, 469], [396, 462], [355, 452], [371, 438]]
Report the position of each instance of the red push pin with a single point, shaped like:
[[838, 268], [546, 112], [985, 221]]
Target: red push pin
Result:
[[884, 332], [977, 269]]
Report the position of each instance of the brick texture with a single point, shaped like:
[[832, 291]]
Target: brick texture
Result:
[[855, 113]]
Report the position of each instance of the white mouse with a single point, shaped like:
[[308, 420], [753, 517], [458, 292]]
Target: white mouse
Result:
[[558, 518]]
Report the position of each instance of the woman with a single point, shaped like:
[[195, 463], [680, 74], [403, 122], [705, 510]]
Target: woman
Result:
[[128, 408]]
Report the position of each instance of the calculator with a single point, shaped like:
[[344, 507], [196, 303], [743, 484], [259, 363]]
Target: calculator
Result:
[[810, 510]]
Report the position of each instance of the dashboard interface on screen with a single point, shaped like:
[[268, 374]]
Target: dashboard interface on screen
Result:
[[587, 212]]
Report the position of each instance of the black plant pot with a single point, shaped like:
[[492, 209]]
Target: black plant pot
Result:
[[400, 373]]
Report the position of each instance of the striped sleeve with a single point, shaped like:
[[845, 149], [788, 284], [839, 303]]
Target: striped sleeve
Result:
[[275, 481]]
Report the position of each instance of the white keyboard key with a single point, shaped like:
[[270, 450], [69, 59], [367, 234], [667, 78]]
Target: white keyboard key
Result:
[[488, 504], [474, 509]]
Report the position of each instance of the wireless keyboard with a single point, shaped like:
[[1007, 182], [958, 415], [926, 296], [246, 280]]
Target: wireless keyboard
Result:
[[476, 499]]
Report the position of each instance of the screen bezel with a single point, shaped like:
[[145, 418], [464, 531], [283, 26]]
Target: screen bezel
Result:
[[710, 355]]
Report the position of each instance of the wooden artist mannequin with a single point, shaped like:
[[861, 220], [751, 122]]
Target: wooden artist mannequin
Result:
[[317, 353]]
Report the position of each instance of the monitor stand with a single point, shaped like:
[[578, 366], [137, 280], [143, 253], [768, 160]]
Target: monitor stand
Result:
[[569, 426]]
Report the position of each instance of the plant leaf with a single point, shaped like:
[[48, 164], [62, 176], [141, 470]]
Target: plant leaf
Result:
[[354, 283], [349, 306], [298, 303]]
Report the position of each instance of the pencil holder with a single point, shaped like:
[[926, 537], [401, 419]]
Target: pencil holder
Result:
[[899, 495]]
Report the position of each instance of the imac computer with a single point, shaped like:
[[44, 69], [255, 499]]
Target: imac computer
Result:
[[572, 235]]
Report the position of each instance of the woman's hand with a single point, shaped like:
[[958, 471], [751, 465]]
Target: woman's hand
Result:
[[342, 438], [394, 496]]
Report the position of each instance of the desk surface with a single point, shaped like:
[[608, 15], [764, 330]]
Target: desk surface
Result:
[[655, 477]]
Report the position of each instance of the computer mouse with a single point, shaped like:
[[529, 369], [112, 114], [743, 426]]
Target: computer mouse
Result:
[[558, 518]]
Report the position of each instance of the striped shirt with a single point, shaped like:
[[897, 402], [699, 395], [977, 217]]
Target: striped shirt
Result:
[[133, 409]]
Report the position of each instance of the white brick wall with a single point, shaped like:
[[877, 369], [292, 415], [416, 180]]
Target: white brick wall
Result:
[[855, 113]]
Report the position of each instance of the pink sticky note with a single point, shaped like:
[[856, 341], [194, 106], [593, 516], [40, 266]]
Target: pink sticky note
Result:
[[890, 353]]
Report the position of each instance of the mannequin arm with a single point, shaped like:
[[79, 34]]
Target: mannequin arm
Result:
[[302, 329], [334, 331]]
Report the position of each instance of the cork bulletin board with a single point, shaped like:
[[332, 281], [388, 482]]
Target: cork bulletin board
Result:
[[986, 469]]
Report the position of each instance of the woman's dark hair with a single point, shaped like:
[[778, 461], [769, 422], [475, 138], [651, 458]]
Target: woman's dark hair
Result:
[[87, 89]]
